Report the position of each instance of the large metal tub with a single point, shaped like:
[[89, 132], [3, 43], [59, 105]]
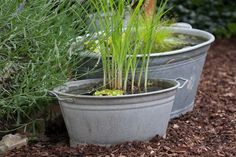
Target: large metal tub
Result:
[[186, 63]]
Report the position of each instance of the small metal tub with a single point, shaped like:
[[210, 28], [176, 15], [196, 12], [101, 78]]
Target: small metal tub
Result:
[[106, 120]]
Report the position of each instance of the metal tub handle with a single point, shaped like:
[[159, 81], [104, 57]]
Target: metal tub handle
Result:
[[52, 93], [182, 82], [182, 25]]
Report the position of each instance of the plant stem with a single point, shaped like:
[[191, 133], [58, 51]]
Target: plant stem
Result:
[[149, 7]]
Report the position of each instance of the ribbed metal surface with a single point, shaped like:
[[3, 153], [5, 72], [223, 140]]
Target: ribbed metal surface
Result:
[[112, 120]]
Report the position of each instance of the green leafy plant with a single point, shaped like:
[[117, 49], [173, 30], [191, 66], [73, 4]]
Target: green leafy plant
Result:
[[35, 56]]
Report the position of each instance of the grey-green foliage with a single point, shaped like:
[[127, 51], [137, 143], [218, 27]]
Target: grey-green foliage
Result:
[[216, 16], [34, 56]]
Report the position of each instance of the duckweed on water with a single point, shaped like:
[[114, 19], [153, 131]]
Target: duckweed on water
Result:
[[109, 92]]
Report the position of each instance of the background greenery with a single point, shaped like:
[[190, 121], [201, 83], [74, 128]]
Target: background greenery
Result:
[[216, 16], [35, 57]]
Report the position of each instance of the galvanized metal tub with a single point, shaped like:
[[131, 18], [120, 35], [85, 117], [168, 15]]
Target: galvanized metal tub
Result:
[[107, 120], [187, 63]]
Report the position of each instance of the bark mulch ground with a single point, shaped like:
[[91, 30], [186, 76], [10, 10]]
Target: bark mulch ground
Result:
[[209, 130]]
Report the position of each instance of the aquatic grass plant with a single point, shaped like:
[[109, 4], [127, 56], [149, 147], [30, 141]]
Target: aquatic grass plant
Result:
[[35, 56], [125, 44], [165, 40]]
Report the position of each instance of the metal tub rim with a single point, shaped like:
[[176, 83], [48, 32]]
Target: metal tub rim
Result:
[[188, 31], [57, 91]]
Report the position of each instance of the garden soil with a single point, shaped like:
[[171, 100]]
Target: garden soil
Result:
[[208, 131]]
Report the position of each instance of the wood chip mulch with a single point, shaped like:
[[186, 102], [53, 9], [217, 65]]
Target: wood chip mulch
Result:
[[209, 130]]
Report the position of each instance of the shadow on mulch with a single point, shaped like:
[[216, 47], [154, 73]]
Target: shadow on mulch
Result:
[[209, 130]]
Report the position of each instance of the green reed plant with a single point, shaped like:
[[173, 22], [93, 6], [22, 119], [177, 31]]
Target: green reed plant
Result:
[[125, 44]]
